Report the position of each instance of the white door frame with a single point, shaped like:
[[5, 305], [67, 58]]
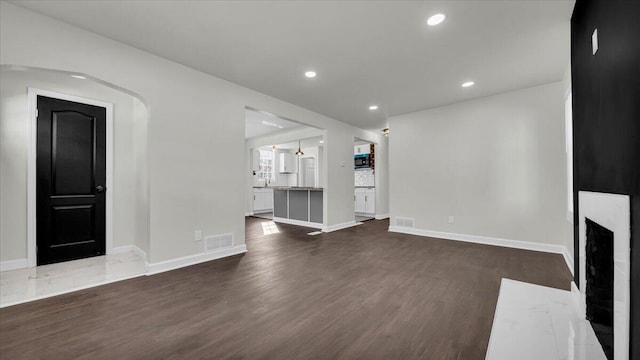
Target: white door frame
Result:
[[32, 101]]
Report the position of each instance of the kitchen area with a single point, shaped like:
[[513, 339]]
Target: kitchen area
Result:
[[285, 173], [285, 160], [286, 185]]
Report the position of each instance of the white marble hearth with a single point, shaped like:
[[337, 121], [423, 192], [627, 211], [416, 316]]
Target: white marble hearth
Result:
[[23, 285], [611, 211], [534, 322]]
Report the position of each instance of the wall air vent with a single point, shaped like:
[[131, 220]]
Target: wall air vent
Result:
[[404, 222], [216, 242]]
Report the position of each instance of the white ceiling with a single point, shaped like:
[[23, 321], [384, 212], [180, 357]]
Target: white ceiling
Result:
[[304, 143], [364, 52], [260, 123]]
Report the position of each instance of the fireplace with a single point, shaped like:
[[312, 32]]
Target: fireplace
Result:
[[604, 262], [599, 277]]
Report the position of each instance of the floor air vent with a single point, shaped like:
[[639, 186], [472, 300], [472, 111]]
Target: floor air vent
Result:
[[404, 222], [213, 243]]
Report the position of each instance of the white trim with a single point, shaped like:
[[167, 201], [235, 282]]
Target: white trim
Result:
[[140, 252], [382, 216], [32, 98], [517, 244], [127, 248], [298, 222], [13, 264], [336, 227], [371, 215], [248, 213], [261, 211], [162, 266]]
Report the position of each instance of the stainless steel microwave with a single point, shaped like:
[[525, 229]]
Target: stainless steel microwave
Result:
[[361, 161]]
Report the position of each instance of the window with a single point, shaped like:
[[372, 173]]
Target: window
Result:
[[265, 168]]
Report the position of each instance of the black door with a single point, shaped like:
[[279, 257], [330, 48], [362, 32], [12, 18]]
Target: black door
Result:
[[71, 173]]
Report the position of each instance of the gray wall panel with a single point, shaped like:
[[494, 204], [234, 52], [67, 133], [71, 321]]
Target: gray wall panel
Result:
[[280, 203], [316, 206], [299, 205]]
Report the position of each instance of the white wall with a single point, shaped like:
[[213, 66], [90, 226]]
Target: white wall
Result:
[[192, 116], [140, 167], [496, 164], [14, 132], [568, 131]]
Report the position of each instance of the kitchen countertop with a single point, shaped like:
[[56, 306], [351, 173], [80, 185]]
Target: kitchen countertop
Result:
[[289, 188]]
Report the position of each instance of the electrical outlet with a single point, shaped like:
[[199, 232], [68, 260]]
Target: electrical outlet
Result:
[[197, 235], [451, 219]]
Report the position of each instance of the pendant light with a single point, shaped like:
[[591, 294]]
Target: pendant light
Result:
[[299, 152]]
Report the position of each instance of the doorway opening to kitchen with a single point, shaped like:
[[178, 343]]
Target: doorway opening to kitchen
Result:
[[284, 160], [364, 197]]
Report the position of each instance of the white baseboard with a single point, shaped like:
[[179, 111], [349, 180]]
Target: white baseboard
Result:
[[337, 227], [248, 213], [172, 264], [517, 244], [127, 248], [382, 216], [261, 211], [140, 253], [13, 264], [298, 222], [364, 214]]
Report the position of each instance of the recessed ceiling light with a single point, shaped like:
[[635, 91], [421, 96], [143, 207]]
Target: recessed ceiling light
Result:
[[310, 74], [373, 107], [321, 141], [78, 77], [435, 19], [467, 84]]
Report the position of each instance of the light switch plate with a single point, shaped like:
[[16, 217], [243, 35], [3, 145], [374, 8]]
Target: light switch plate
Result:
[[594, 41]]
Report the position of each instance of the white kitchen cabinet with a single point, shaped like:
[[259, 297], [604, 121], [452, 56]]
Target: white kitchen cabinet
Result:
[[363, 149], [360, 205], [262, 200], [288, 163], [370, 201], [365, 201], [268, 199]]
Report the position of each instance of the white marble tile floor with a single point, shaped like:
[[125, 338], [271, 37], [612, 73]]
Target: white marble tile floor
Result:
[[23, 285], [534, 322]]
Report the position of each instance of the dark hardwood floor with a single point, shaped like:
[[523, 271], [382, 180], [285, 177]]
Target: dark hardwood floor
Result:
[[357, 293]]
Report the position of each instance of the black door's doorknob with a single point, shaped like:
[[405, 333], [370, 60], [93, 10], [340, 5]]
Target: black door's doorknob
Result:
[[100, 189]]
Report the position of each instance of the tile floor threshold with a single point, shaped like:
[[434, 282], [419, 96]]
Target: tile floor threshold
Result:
[[538, 322], [35, 283]]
